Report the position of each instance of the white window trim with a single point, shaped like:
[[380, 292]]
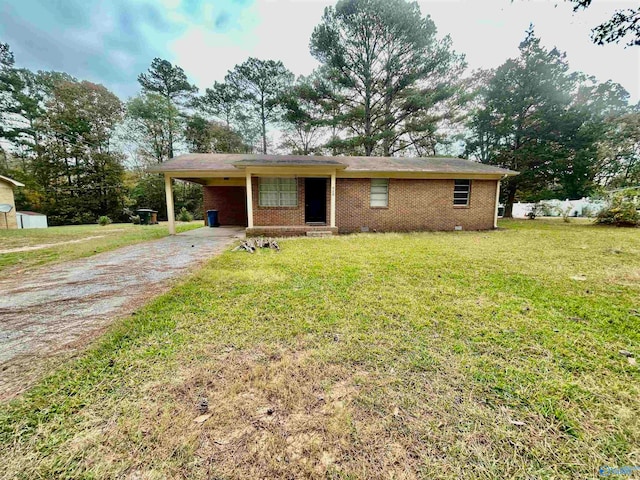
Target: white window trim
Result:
[[278, 191], [379, 186]]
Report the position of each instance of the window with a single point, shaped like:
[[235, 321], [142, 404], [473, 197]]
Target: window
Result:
[[278, 192], [379, 192], [461, 191]]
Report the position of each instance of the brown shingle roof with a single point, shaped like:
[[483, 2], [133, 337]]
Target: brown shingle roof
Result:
[[227, 161]]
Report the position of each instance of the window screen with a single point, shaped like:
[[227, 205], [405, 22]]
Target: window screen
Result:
[[461, 192], [278, 192], [379, 192]]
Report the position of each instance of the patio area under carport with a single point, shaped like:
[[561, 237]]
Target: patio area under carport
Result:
[[234, 189]]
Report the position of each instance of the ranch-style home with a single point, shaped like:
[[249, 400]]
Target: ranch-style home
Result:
[[282, 195]]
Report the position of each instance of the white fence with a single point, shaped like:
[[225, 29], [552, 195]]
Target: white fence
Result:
[[585, 207]]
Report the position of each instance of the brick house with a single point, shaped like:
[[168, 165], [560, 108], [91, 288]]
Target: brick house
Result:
[[294, 195], [8, 219]]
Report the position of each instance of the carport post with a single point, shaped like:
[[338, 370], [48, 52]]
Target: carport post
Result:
[[249, 201], [171, 216], [332, 214]]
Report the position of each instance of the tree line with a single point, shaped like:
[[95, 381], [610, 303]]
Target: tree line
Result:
[[386, 85]]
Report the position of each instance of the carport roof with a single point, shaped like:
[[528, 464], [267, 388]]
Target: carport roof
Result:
[[203, 162]]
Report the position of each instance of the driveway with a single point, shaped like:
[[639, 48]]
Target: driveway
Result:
[[47, 314]]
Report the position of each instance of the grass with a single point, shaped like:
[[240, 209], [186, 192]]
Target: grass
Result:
[[72, 242], [431, 355]]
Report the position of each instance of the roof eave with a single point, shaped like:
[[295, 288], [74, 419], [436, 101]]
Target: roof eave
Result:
[[339, 166], [15, 183]]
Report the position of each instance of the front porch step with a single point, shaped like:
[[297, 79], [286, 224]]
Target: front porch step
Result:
[[319, 233], [291, 231]]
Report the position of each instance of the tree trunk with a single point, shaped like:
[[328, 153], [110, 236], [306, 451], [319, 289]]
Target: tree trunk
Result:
[[264, 126], [511, 197], [170, 143], [170, 129]]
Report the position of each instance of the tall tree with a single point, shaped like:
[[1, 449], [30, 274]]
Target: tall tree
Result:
[[393, 71], [620, 151], [80, 173], [151, 126], [522, 106], [220, 101], [6, 56], [624, 24], [206, 136], [259, 85], [303, 119], [537, 118], [23, 105], [171, 83]]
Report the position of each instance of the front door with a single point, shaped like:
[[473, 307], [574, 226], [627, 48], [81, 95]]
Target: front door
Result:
[[315, 200]]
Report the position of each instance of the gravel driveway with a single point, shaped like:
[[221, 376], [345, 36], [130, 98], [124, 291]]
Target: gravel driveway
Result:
[[47, 314]]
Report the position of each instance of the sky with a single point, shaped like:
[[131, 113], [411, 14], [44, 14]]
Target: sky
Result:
[[112, 41]]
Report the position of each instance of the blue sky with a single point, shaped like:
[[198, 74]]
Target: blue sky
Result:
[[111, 42]]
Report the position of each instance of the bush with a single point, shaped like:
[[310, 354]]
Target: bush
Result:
[[546, 210], [621, 212], [565, 213], [135, 219], [104, 220], [184, 215]]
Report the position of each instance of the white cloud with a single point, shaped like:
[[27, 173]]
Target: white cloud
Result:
[[268, 30], [487, 32]]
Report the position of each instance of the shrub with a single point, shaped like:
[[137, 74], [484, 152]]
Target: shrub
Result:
[[588, 211], [135, 219], [104, 220], [621, 212], [546, 210], [565, 213], [184, 215]]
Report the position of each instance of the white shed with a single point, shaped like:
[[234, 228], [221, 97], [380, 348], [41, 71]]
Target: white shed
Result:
[[31, 220]]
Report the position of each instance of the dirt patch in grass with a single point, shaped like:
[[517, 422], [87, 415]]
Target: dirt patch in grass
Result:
[[48, 245], [281, 413]]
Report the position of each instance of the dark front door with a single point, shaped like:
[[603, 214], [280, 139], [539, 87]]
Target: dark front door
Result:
[[315, 200]]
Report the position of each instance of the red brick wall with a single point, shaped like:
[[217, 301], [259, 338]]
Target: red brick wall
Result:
[[231, 203], [278, 216], [413, 205]]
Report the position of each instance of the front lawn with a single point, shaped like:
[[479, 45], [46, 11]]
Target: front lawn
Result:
[[24, 248], [432, 355]]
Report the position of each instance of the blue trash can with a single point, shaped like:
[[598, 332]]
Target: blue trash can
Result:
[[212, 218]]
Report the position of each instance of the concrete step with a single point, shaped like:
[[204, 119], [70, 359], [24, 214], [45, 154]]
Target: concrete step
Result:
[[319, 233]]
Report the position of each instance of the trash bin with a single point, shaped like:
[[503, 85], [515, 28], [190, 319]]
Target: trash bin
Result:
[[212, 218], [145, 215], [154, 217]]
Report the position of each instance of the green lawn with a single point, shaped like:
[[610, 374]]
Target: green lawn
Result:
[[75, 241], [433, 355]]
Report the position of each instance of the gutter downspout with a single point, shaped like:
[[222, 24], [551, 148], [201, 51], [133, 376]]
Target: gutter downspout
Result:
[[495, 215]]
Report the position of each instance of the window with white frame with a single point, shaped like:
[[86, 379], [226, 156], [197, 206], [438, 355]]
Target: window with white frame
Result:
[[461, 191], [379, 192], [278, 192]]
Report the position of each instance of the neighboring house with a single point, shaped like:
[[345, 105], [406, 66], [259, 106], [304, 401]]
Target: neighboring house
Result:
[[297, 195], [585, 207], [8, 219]]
